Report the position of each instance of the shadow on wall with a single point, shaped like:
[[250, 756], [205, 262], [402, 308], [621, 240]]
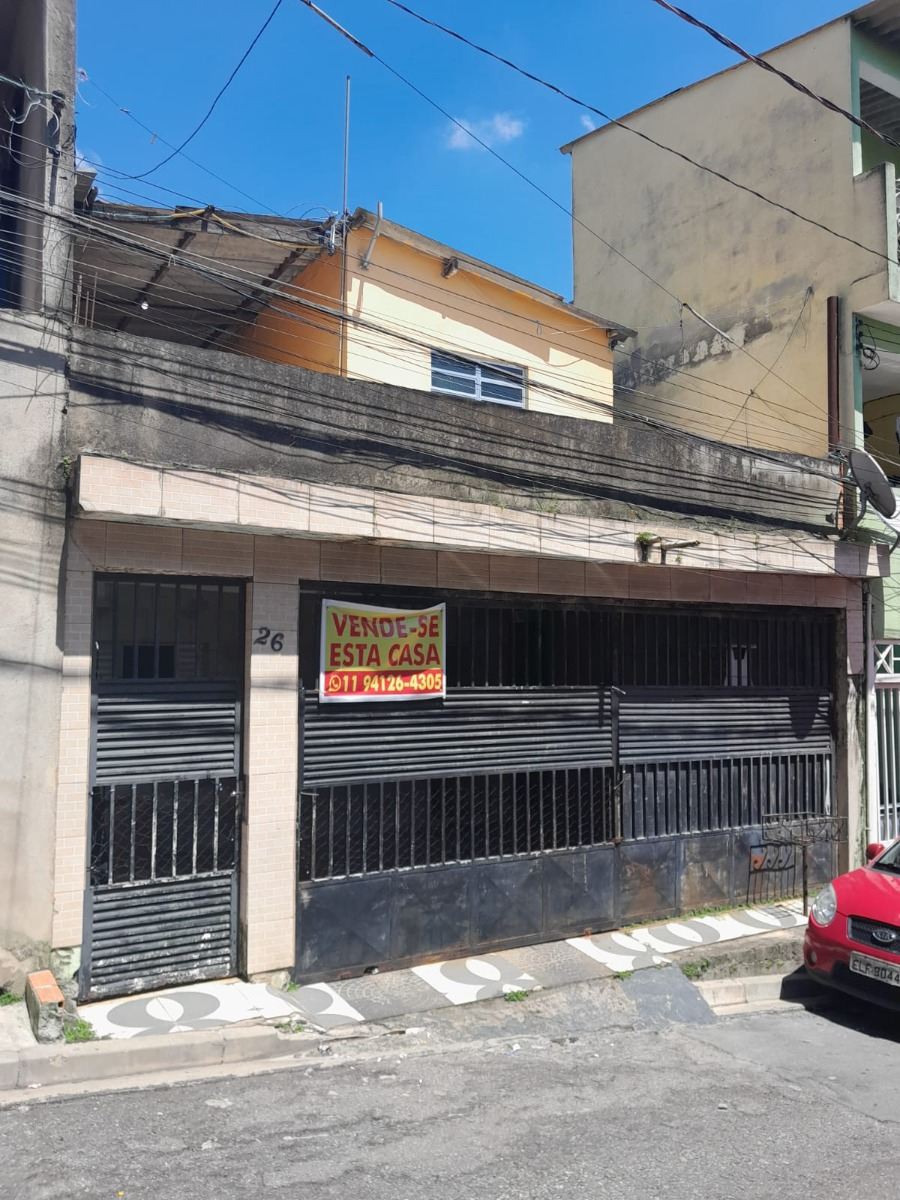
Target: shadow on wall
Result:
[[153, 402]]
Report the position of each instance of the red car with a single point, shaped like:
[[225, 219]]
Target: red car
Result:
[[853, 937]]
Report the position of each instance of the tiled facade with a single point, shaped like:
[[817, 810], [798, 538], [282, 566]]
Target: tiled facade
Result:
[[576, 562]]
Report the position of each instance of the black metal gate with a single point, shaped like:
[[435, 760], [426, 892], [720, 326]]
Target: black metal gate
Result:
[[165, 807], [589, 766]]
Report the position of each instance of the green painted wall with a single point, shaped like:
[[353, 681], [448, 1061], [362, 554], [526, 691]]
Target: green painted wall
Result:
[[880, 414], [869, 150]]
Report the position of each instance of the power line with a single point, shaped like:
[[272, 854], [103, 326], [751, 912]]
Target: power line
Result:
[[593, 493], [328, 310], [85, 78], [236, 283], [767, 66], [221, 92], [531, 183], [628, 129]]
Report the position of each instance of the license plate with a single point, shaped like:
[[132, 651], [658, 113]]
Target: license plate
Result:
[[874, 968]]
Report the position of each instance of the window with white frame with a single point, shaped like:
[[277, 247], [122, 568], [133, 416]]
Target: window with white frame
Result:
[[498, 383]]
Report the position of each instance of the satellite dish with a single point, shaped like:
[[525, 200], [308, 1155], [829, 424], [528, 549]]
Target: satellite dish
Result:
[[874, 489], [873, 484]]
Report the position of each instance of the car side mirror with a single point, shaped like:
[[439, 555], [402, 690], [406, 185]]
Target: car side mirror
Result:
[[873, 850]]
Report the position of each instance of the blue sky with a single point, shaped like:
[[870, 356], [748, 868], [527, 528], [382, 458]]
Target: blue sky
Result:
[[277, 134]]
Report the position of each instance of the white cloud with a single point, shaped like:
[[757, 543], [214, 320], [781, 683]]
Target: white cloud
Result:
[[587, 123], [493, 131]]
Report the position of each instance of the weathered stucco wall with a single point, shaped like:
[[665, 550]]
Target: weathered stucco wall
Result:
[[757, 273], [32, 522], [292, 332], [155, 402], [33, 346]]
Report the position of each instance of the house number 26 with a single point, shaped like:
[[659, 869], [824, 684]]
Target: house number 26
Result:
[[268, 638]]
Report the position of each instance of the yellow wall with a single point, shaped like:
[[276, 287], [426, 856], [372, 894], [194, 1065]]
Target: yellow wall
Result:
[[568, 362], [405, 308], [295, 333]]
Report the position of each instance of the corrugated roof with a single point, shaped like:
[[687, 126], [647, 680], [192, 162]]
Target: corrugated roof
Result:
[[144, 270]]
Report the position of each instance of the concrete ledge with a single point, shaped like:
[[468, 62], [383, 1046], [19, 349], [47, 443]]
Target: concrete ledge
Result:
[[45, 1066], [723, 995]]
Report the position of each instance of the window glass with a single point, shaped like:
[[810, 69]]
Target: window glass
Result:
[[500, 383]]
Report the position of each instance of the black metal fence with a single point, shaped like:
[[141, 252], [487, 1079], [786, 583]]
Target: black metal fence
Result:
[[364, 828], [352, 829], [705, 795], [163, 830]]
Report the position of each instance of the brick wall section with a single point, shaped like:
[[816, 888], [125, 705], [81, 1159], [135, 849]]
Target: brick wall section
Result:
[[275, 564]]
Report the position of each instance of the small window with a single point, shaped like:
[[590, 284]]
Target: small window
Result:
[[499, 383]]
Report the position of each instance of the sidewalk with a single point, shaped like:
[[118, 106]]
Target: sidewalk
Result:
[[212, 1019]]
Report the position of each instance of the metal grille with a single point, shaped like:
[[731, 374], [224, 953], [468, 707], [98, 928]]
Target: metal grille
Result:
[[146, 628], [358, 829], [860, 929], [473, 729], [887, 710], [563, 644], [722, 793], [567, 725], [166, 731], [177, 829], [659, 724], [159, 934]]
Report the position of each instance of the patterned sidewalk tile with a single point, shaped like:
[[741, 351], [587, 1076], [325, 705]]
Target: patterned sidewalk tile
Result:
[[464, 980], [456, 981]]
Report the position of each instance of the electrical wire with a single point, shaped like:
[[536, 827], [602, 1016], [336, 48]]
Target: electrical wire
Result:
[[783, 75], [267, 407], [580, 399], [292, 296], [495, 308], [619, 124], [402, 335], [434, 104], [85, 78], [334, 314], [221, 92]]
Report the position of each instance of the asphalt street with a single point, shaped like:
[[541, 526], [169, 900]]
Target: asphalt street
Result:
[[782, 1104]]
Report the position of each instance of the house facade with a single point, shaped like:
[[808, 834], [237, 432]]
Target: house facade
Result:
[[786, 329], [367, 636]]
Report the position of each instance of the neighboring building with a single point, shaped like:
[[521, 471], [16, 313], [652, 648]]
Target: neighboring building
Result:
[[761, 369], [637, 648], [36, 180]]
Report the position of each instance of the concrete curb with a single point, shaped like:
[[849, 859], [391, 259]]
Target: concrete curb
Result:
[[41, 1066], [723, 995]]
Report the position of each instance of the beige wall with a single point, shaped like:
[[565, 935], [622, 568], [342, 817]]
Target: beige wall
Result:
[[347, 535], [740, 262], [414, 309]]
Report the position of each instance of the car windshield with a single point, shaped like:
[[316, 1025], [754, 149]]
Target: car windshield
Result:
[[890, 860]]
